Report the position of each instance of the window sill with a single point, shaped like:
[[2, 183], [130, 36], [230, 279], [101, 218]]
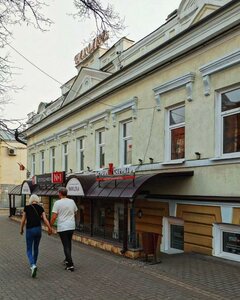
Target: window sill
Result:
[[225, 157], [174, 162]]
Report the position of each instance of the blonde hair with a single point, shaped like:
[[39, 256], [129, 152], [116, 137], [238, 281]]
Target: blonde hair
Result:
[[34, 198]]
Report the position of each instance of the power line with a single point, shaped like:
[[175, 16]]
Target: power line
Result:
[[24, 57], [45, 73]]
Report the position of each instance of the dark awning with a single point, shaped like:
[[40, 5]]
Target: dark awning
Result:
[[48, 190], [78, 185], [128, 188], [16, 190]]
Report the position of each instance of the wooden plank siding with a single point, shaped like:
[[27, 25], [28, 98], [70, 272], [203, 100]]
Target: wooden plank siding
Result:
[[236, 216], [153, 213], [198, 222]]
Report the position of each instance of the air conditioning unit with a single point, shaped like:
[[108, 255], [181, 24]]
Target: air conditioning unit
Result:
[[12, 152]]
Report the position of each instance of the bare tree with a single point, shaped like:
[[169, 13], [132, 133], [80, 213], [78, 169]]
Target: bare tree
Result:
[[106, 18], [17, 12]]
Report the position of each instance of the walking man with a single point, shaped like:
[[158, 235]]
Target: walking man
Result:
[[64, 211]]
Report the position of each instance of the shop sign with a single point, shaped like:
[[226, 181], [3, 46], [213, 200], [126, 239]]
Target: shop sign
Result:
[[97, 41], [26, 189], [58, 177], [110, 178], [122, 171], [44, 179], [74, 187]]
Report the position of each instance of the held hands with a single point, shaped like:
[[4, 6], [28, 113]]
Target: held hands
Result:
[[49, 230]]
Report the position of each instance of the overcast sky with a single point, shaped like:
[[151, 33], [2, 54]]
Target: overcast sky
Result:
[[53, 51]]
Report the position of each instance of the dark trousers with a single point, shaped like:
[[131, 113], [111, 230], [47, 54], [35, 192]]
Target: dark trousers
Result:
[[66, 238]]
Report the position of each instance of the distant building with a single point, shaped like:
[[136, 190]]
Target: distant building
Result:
[[13, 158], [165, 110]]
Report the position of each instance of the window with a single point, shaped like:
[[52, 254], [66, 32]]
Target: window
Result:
[[80, 154], [173, 235], [230, 121], [33, 164], [176, 133], [42, 162], [65, 157], [52, 159], [226, 241], [126, 143], [100, 149]]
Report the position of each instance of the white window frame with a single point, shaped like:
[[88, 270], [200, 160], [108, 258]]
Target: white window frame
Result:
[[33, 156], [42, 162], [218, 229], [166, 239], [80, 153], [122, 143], [52, 159], [219, 124], [168, 141], [98, 148], [65, 157]]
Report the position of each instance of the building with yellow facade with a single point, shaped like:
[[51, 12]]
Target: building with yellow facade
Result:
[[12, 155], [148, 134]]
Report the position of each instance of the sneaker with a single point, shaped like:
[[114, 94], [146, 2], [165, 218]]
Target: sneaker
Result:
[[65, 262], [33, 271], [70, 268]]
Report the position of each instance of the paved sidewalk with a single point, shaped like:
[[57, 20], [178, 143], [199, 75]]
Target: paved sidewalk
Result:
[[102, 275]]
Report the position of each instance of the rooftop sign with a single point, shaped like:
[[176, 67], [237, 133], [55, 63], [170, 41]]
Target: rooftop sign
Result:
[[97, 41]]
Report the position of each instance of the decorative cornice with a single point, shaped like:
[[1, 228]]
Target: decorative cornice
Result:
[[182, 43], [186, 80], [216, 66]]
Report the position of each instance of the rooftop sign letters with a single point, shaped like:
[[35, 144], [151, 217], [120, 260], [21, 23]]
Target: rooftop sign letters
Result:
[[98, 41]]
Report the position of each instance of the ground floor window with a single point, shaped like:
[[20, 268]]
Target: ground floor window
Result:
[[226, 241], [177, 236], [173, 235], [231, 242]]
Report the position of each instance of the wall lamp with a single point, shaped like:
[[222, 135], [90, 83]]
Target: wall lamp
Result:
[[198, 155], [140, 161], [151, 160], [140, 214], [89, 169]]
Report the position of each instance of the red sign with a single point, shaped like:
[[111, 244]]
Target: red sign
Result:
[[110, 169], [123, 177], [58, 177]]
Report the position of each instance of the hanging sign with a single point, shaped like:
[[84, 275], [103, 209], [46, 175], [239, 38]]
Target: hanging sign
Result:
[[58, 177], [74, 187], [26, 189]]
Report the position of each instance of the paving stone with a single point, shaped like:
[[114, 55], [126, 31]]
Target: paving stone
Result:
[[101, 275]]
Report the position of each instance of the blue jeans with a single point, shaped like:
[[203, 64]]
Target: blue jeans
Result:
[[33, 237]]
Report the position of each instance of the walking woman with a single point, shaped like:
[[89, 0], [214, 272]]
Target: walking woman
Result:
[[32, 216]]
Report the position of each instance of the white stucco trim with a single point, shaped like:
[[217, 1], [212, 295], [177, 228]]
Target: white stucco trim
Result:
[[216, 66], [186, 79], [166, 232], [218, 229]]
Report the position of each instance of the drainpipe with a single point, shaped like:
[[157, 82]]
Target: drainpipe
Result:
[[91, 217]]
